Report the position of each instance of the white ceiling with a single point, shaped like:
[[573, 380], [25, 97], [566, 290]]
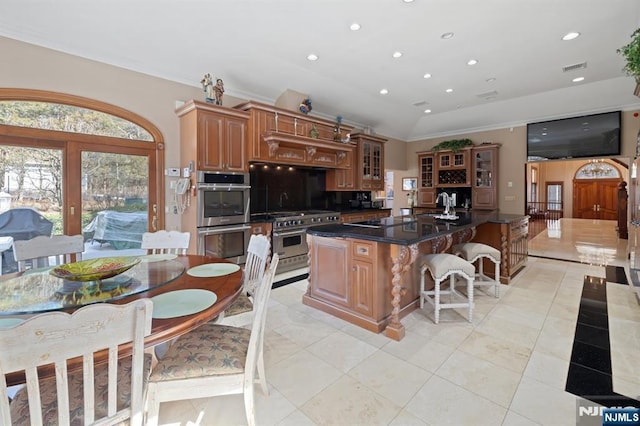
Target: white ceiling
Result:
[[259, 49]]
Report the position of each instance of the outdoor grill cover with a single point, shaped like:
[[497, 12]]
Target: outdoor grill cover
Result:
[[24, 224]]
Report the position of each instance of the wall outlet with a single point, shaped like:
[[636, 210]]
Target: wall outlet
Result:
[[174, 171]]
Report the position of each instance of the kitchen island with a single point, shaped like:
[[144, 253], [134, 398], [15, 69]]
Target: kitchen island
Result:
[[368, 273]]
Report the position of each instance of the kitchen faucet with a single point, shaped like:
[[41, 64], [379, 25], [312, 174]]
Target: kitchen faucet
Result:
[[286, 197], [448, 201]]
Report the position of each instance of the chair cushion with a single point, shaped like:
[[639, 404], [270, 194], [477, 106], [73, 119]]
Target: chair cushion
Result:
[[209, 350], [470, 251], [20, 404], [241, 305], [442, 263]]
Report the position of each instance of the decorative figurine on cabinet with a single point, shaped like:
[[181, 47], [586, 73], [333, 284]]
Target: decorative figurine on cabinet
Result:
[[337, 136], [213, 93], [305, 106], [207, 86], [219, 90]]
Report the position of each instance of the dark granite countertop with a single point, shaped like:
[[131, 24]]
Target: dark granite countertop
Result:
[[406, 230]]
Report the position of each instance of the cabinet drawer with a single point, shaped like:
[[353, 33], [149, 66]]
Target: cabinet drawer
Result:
[[519, 228], [363, 250]]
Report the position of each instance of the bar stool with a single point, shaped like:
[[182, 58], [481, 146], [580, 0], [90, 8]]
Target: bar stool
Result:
[[477, 251], [441, 266]]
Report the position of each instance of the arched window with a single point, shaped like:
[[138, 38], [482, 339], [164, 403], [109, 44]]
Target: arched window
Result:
[[597, 169], [73, 158]]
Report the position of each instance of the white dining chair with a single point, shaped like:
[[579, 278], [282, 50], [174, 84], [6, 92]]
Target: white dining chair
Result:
[[240, 312], [105, 393], [43, 251], [159, 242], [215, 360]]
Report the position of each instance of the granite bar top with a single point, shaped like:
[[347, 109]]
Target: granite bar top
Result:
[[413, 229]]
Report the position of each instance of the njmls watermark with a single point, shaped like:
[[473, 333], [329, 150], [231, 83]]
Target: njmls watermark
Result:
[[590, 413]]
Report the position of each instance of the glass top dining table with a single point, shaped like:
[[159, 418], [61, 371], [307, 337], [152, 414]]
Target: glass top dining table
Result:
[[37, 290], [28, 293]]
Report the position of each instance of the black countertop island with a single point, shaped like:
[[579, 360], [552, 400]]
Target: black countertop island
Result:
[[368, 273], [413, 229]]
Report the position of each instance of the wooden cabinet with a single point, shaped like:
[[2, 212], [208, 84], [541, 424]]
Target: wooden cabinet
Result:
[[475, 167], [426, 180], [452, 168], [341, 180], [362, 215], [214, 137], [370, 167], [484, 194], [285, 137], [511, 238], [351, 287]]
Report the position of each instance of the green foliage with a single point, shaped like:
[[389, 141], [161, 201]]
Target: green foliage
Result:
[[454, 145], [67, 118], [631, 53]]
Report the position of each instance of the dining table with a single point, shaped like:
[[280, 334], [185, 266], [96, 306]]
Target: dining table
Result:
[[187, 291]]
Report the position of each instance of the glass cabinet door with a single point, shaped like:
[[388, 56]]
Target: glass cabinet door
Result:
[[426, 172], [484, 169]]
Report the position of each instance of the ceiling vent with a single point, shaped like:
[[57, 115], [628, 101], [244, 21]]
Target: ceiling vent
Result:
[[574, 67], [492, 94], [419, 103]]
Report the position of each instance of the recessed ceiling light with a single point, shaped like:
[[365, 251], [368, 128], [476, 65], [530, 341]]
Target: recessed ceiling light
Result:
[[578, 79], [354, 27], [570, 36], [427, 75], [427, 111], [312, 57], [408, 1], [490, 80], [397, 54], [384, 91], [446, 36], [449, 90], [472, 62]]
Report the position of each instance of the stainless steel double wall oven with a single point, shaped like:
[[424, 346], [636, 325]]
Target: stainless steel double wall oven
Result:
[[223, 215]]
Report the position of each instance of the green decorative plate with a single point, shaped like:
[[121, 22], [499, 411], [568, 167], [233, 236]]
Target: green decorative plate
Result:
[[95, 269]]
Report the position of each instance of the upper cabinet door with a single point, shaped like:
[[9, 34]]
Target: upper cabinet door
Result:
[[485, 177]]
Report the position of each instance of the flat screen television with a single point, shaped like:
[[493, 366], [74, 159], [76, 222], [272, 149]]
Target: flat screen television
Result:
[[596, 135]]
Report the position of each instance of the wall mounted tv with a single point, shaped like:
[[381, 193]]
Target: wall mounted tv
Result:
[[596, 135]]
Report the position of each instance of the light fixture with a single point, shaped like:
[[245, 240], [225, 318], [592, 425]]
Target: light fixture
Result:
[[384, 91], [449, 90], [427, 75], [312, 57], [490, 80], [446, 36], [472, 61], [397, 54], [407, 1], [578, 79], [570, 36], [427, 111], [354, 27], [596, 168]]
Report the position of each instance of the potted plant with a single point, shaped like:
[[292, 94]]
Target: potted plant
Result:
[[631, 53], [454, 145]]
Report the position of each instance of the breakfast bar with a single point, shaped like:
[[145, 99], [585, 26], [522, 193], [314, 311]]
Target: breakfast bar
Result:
[[368, 273]]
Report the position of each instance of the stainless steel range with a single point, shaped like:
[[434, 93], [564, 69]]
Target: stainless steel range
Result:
[[289, 238]]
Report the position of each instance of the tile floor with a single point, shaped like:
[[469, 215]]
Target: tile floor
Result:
[[509, 367]]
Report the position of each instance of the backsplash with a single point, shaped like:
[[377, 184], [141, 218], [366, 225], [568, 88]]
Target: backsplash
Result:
[[281, 188]]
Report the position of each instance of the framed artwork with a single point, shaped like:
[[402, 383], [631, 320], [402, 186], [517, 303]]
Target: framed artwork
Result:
[[409, 184]]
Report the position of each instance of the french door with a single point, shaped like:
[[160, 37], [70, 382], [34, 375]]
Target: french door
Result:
[[72, 180]]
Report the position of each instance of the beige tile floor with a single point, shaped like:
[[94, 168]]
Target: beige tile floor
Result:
[[508, 367]]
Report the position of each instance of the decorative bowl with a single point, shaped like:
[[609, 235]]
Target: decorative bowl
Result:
[[95, 269]]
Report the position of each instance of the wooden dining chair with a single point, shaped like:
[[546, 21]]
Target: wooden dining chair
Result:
[[43, 251], [166, 242], [240, 312], [215, 360], [104, 393]]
